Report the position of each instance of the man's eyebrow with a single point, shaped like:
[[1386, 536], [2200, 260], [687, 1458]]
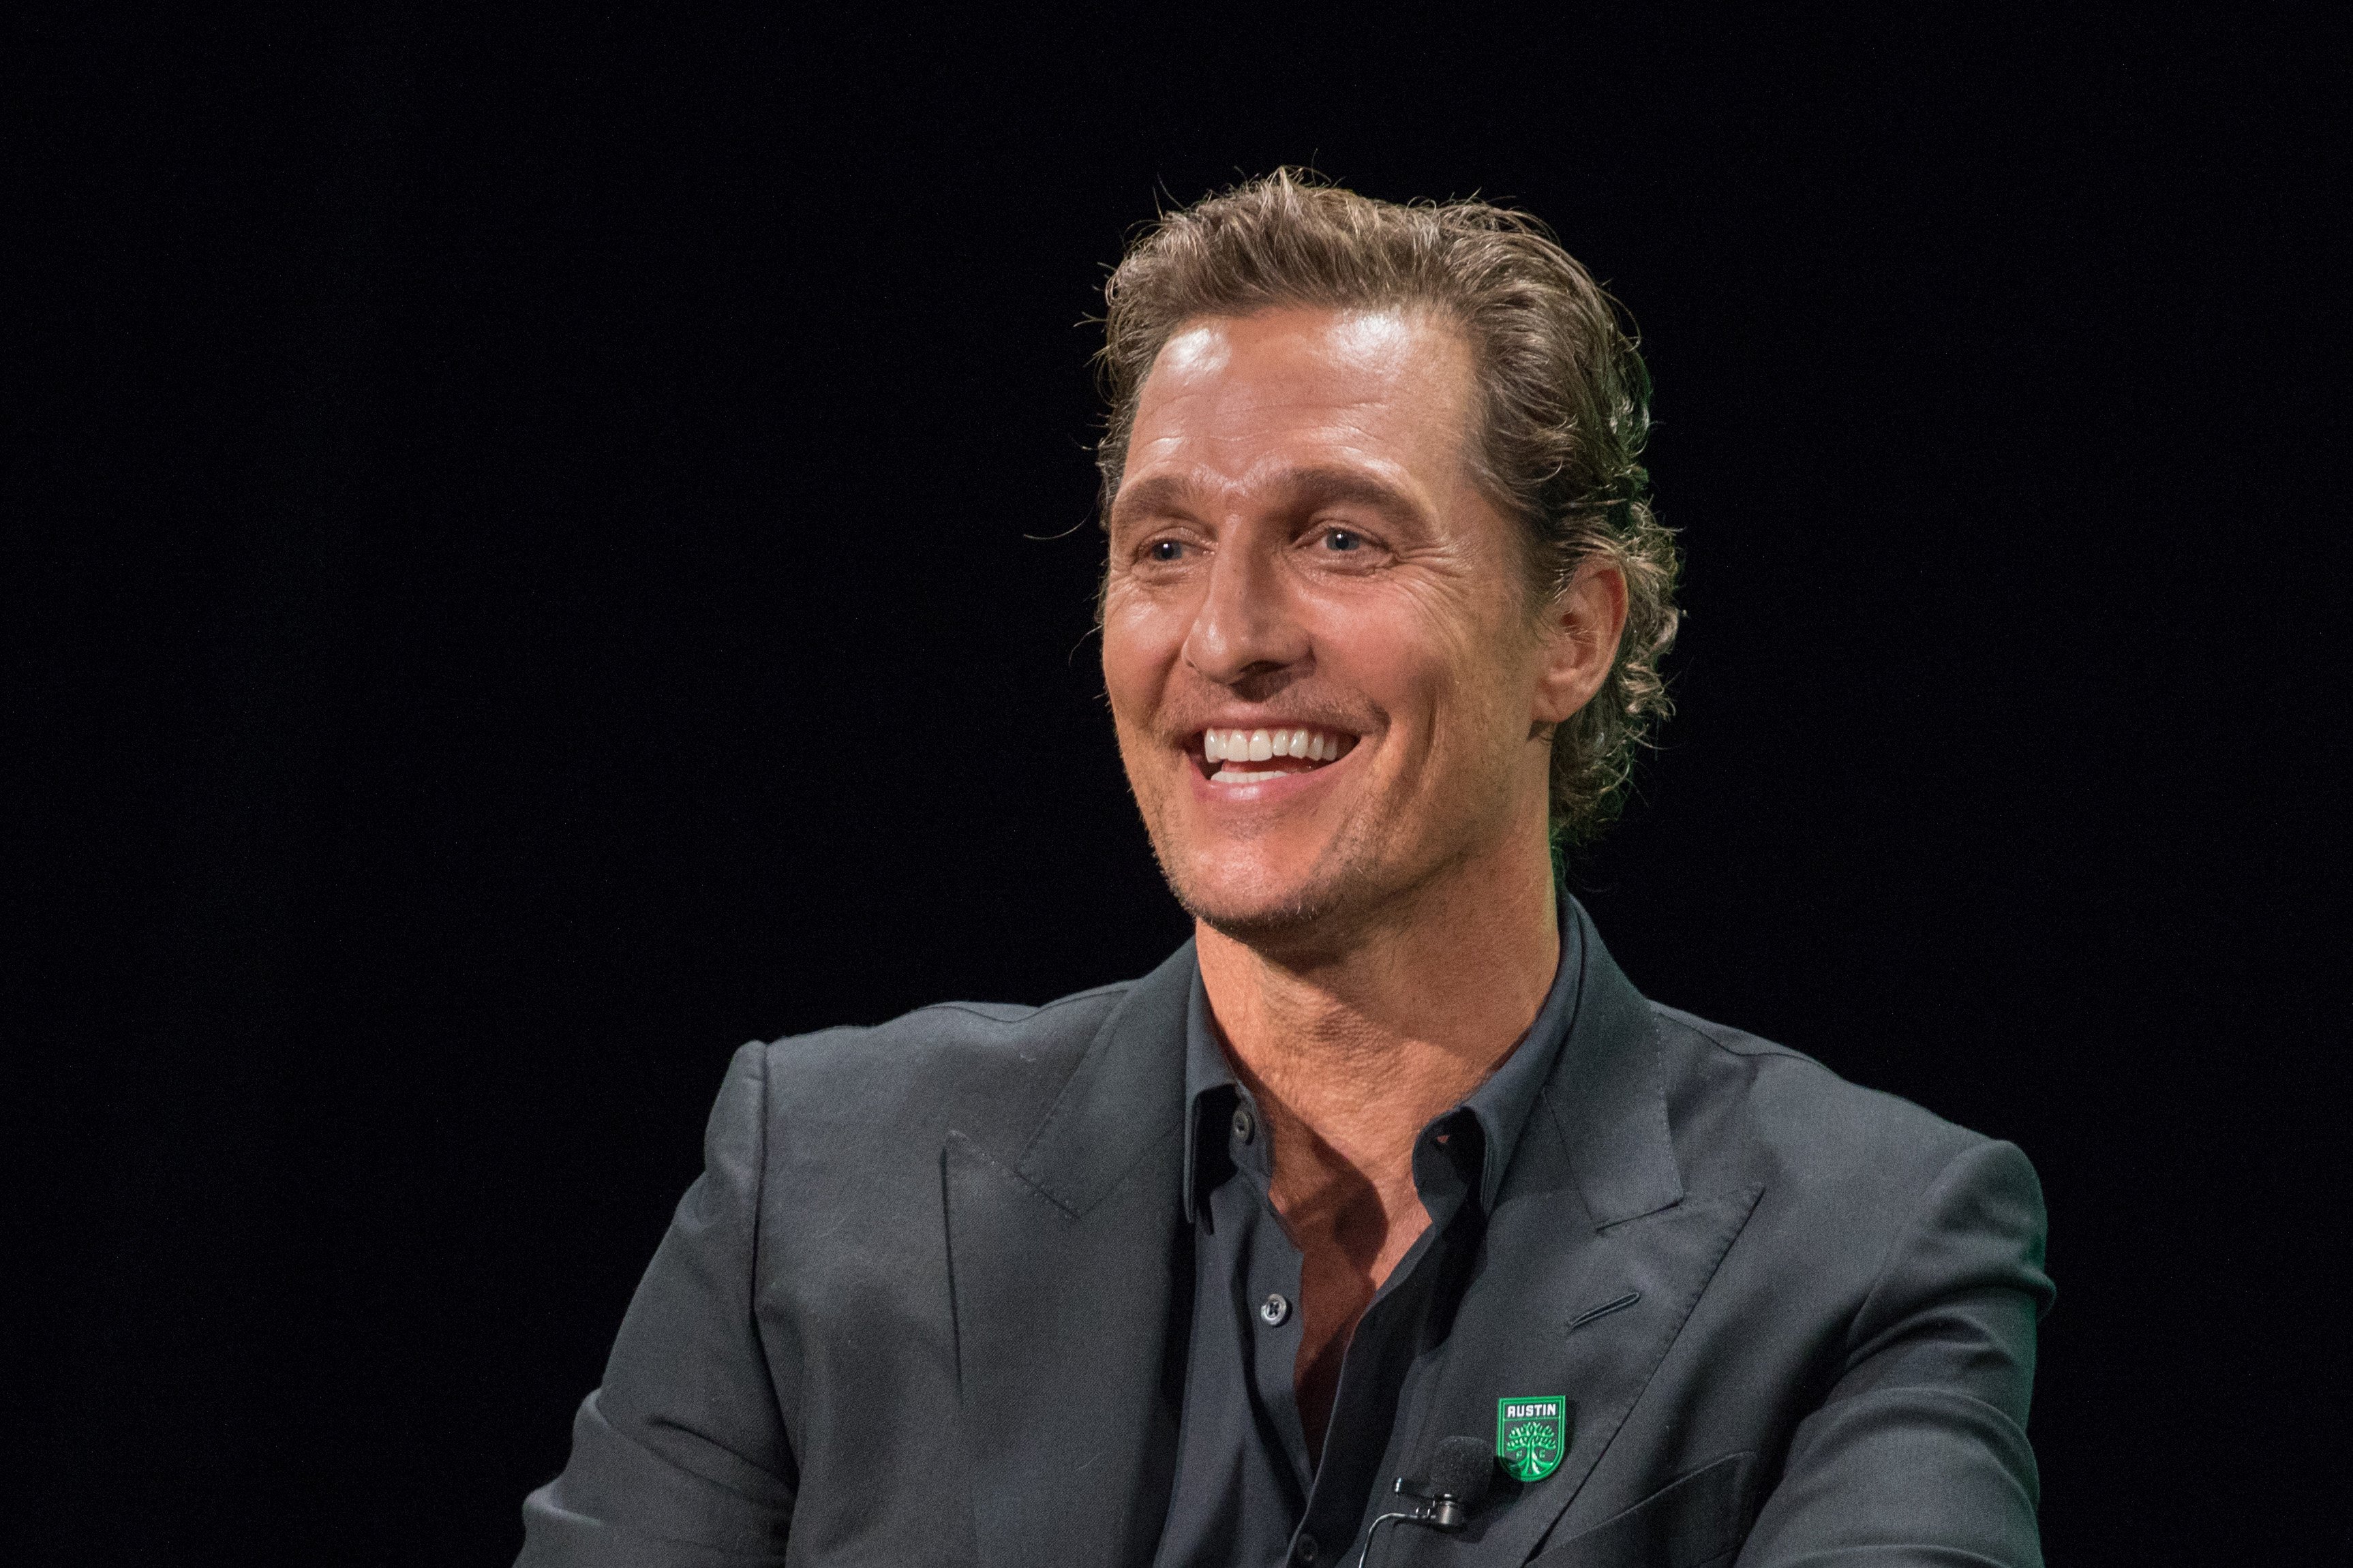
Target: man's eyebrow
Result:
[[1160, 493], [1325, 486], [1318, 485]]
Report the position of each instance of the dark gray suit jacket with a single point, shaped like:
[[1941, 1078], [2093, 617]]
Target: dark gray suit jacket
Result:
[[925, 1307]]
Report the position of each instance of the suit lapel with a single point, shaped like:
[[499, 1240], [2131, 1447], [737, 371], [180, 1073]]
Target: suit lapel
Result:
[[1592, 1212], [1064, 1264]]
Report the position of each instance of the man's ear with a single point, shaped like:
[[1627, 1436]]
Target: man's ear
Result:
[[1580, 631]]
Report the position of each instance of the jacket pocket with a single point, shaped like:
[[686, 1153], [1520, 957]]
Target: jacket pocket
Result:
[[1688, 1522]]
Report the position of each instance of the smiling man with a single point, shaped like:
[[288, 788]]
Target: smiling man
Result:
[[1386, 1220]]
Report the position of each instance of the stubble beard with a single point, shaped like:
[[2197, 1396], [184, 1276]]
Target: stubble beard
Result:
[[1354, 879]]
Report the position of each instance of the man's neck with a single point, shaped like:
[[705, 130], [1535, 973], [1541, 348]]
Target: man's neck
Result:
[[1366, 1041]]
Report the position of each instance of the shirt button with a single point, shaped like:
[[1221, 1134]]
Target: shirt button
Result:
[[1245, 1124], [1304, 1550], [1274, 1308]]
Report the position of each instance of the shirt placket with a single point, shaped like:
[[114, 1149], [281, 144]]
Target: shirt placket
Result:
[[1271, 1297], [1328, 1528]]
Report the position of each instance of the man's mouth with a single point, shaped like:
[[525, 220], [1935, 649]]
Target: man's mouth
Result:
[[1254, 756]]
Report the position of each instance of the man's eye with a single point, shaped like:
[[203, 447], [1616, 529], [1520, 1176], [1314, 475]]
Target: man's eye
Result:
[[1341, 539], [1164, 550]]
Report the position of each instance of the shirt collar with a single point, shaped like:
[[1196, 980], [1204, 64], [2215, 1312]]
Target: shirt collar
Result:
[[1502, 1104], [1209, 1091]]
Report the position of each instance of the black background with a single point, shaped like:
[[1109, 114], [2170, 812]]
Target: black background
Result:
[[541, 550]]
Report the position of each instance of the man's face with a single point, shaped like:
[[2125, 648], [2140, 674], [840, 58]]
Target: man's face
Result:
[[1298, 546]]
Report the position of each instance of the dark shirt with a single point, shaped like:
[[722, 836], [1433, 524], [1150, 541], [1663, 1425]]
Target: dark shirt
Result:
[[1247, 1492]]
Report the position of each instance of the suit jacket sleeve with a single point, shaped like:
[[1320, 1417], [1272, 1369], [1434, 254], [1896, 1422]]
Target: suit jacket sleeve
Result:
[[681, 1457], [1919, 1454]]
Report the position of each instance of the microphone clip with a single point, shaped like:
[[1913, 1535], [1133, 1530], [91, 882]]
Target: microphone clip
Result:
[[1443, 1496], [1441, 1510]]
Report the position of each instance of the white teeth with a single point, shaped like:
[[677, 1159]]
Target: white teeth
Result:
[[1226, 775], [1263, 745]]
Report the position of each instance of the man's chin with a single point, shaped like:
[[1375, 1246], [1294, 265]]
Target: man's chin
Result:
[[1259, 922], [1264, 908]]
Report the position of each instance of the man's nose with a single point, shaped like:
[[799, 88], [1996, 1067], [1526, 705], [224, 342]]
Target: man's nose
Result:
[[1245, 624]]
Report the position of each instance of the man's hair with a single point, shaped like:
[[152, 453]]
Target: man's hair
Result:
[[1562, 410]]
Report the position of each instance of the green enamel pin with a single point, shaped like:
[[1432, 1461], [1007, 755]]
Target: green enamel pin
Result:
[[1531, 1433]]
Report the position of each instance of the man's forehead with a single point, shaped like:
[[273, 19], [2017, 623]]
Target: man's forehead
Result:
[[1378, 340], [1252, 399], [1305, 350]]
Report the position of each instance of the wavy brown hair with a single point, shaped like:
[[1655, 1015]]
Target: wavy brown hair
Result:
[[1563, 411]]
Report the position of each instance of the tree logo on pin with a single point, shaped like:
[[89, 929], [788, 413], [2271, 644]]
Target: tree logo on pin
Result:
[[1531, 1433]]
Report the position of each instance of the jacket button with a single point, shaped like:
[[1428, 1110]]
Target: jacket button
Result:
[[1245, 1124], [1304, 1550], [1273, 1310]]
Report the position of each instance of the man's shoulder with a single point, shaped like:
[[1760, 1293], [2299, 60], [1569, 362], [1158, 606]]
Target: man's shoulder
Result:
[[1861, 1196], [1735, 1098], [971, 1061], [948, 1029]]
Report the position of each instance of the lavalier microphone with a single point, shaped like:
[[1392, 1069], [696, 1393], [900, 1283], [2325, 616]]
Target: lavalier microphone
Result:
[[1445, 1493]]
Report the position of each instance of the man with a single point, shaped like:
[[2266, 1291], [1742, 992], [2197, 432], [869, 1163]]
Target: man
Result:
[[1208, 1267]]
